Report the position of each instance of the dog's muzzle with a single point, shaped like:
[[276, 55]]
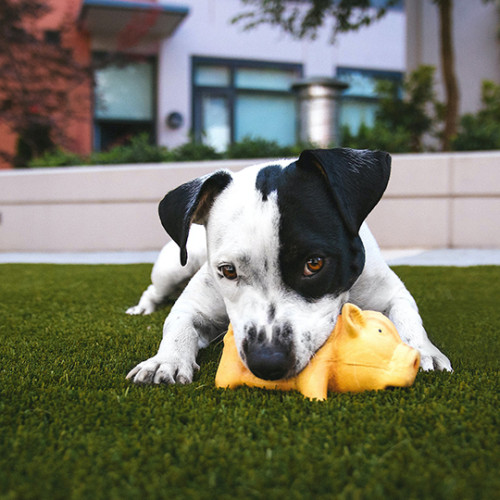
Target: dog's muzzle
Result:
[[268, 360]]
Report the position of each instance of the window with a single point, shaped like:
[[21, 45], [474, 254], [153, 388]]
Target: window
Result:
[[359, 101], [398, 5], [124, 101], [237, 99]]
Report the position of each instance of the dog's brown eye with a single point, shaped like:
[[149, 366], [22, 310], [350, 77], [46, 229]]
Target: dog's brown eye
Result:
[[313, 266], [228, 271]]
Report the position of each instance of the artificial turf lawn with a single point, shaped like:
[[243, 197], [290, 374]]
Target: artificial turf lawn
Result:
[[71, 426]]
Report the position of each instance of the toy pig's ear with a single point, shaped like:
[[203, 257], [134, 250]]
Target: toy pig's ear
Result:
[[190, 203], [353, 319], [356, 179]]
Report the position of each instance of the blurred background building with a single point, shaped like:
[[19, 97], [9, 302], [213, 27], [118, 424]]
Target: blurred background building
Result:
[[180, 70]]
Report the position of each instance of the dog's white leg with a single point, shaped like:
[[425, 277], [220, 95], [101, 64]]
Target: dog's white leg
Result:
[[380, 289], [403, 312], [168, 275], [198, 316]]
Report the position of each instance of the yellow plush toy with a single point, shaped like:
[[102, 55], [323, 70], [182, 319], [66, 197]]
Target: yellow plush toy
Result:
[[364, 352]]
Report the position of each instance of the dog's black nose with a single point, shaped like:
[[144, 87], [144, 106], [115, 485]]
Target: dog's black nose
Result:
[[268, 361]]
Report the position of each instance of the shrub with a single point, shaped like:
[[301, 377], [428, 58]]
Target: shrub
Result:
[[481, 130], [401, 124], [138, 150], [194, 151], [34, 140], [58, 158], [257, 147], [378, 137]]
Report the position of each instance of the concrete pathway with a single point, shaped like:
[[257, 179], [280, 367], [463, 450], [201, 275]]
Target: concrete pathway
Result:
[[78, 257], [444, 257]]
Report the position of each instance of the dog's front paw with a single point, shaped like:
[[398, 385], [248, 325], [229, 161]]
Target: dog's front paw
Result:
[[431, 358], [163, 370], [141, 309], [150, 301]]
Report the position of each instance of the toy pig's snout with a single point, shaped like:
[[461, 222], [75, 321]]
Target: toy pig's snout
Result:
[[404, 366]]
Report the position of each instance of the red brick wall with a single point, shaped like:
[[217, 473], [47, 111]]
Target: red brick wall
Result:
[[76, 119]]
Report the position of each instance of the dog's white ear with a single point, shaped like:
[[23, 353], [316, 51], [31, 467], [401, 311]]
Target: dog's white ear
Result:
[[190, 203], [357, 179]]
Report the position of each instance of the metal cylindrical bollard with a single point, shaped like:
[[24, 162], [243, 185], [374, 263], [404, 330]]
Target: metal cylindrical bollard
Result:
[[318, 109]]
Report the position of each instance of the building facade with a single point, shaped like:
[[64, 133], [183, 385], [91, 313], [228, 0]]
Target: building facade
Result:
[[213, 81], [476, 39], [251, 94], [181, 70]]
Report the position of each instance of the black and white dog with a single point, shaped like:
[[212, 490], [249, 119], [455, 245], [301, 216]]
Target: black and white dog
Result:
[[283, 247]]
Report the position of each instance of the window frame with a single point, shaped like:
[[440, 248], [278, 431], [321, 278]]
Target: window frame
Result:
[[378, 74], [231, 91], [101, 59]]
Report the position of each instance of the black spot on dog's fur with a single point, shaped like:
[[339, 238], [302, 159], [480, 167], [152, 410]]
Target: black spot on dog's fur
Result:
[[251, 332], [283, 333], [267, 180], [271, 312], [210, 327]]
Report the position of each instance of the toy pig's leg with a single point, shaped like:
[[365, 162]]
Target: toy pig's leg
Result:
[[312, 383]]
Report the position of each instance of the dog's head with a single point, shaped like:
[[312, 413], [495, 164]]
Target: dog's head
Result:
[[283, 247]]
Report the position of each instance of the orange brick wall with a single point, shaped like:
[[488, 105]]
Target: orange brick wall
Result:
[[78, 122]]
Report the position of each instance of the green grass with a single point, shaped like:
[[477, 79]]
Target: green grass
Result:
[[72, 427]]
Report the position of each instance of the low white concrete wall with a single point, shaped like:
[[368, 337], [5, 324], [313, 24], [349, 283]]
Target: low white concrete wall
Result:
[[441, 201], [432, 201]]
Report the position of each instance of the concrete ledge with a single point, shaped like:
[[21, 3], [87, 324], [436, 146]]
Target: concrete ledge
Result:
[[103, 184], [441, 201], [432, 201]]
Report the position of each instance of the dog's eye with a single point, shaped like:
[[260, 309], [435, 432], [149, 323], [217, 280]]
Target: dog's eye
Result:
[[313, 265], [228, 271]]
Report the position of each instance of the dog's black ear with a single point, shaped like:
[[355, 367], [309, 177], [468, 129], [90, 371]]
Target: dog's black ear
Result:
[[190, 203], [356, 178]]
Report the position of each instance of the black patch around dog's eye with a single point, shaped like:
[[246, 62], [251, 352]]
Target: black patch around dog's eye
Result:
[[267, 180], [310, 224]]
